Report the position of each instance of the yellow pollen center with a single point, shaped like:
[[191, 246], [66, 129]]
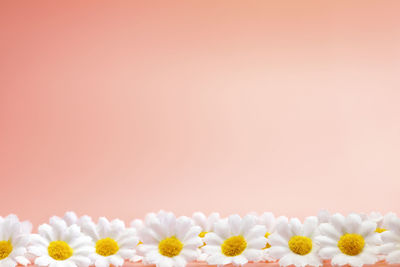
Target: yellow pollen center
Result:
[[351, 244], [5, 249], [266, 236], [203, 234], [300, 245], [380, 230], [106, 247], [234, 246], [170, 246], [59, 250]]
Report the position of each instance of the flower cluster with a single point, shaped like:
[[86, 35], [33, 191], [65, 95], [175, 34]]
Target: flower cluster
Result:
[[169, 241]]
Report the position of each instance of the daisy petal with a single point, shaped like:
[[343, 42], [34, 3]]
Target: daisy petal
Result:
[[338, 221], [353, 223], [310, 225], [393, 257], [329, 252], [278, 252], [239, 260], [330, 231], [235, 224]]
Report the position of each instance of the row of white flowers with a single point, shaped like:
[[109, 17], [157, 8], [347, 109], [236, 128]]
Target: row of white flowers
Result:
[[167, 241]]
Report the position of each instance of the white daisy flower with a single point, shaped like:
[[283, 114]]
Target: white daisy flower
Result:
[[235, 240], [71, 218], [14, 238], [207, 225], [137, 225], [294, 243], [113, 243], [59, 245], [269, 221], [169, 241], [349, 240], [391, 240], [382, 221]]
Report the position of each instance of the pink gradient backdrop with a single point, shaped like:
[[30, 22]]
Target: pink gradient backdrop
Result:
[[119, 108]]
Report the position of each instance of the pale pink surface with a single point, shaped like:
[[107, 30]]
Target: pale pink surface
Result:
[[121, 108]]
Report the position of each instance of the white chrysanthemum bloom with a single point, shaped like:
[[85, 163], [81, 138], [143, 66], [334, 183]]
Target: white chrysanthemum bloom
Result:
[[235, 240], [207, 225], [14, 239], [391, 241], [59, 245], [294, 243], [269, 221], [71, 218], [138, 225], [349, 240], [169, 241], [382, 221], [113, 242]]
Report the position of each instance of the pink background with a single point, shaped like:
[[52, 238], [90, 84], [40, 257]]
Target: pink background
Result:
[[120, 108]]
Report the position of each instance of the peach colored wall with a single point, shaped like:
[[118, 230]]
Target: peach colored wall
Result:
[[119, 108]]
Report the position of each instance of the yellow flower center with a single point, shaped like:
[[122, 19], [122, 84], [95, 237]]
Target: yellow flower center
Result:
[[203, 234], [300, 245], [170, 246], [351, 244], [266, 236], [106, 247], [234, 246], [5, 249], [59, 250], [380, 230]]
